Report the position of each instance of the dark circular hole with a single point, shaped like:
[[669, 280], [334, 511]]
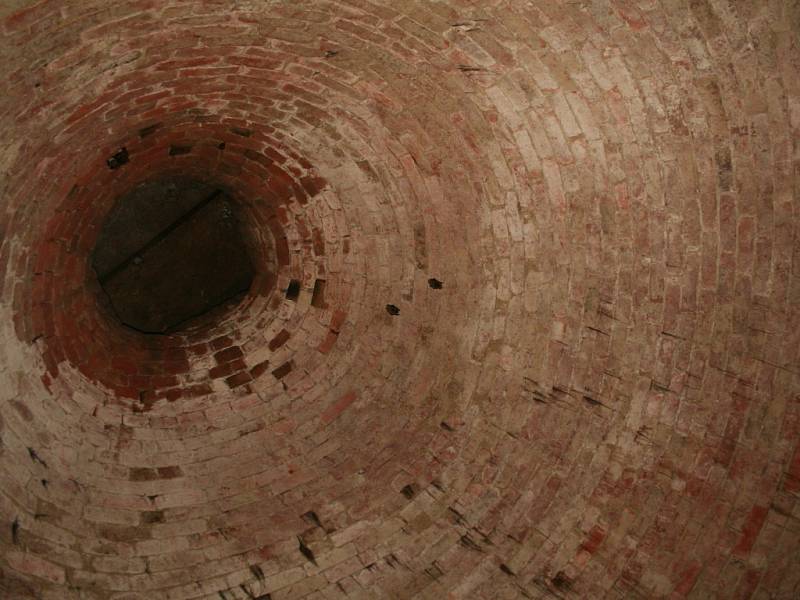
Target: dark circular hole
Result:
[[171, 251]]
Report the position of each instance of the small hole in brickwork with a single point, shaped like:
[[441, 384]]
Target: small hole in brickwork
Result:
[[145, 131], [312, 518], [221, 145], [392, 310], [118, 159], [153, 516], [179, 150], [15, 531], [170, 251], [318, 295], [241, 131], [435, 284], [306, 551], [257, 572], [561, 581], [293, 291]]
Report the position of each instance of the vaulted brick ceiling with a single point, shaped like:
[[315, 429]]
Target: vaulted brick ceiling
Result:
[[597, 397]]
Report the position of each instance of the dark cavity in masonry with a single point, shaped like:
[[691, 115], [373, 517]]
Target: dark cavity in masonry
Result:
[[293, 291], [435, 284], [306, 551], [312, 518], [118, 159], [145, 131], [392, 310], [179, 150], [171, 251], [318, 295], [561, 581]]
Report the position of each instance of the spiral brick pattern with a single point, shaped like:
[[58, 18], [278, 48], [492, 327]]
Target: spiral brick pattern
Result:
[[600, 400]]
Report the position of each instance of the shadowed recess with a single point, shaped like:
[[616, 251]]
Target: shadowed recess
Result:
[[170, 251]]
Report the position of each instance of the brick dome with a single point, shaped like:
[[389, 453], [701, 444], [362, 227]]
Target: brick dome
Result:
[[524, 319]]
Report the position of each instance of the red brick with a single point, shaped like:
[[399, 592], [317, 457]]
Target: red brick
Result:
[[228, 355], [169, 472], [337, 320], [279, 340], [226, 369], [752, 527], [142, 474], [283, 370], [338, 407], [259, 369], [327, 344], [238, 379]]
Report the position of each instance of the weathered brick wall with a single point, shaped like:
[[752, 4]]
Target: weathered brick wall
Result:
[[602, 400]]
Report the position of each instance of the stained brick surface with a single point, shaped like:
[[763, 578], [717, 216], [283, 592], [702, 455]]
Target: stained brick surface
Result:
[[602, 400]]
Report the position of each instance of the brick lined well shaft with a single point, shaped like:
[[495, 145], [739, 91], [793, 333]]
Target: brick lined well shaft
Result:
[[599, 397]]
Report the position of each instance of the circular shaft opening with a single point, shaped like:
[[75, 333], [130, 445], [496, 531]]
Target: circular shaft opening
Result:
[[169, 252]]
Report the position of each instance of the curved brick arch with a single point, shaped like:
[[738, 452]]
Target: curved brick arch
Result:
[[527, 323]]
